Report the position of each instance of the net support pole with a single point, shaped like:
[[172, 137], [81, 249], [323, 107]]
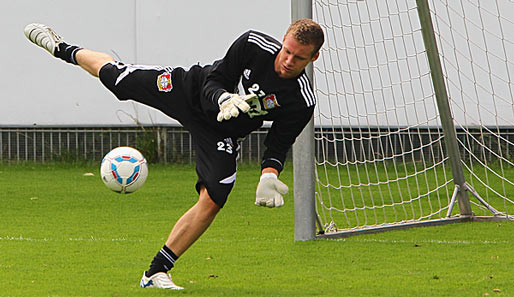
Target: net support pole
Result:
[[303, 156], [450, 134]]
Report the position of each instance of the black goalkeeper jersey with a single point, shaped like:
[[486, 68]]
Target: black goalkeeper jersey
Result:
[[248, 67]]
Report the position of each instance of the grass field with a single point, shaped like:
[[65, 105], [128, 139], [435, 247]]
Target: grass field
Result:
[[65, 234]]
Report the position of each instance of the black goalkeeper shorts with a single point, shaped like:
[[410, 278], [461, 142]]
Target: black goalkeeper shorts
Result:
[[163, 88]]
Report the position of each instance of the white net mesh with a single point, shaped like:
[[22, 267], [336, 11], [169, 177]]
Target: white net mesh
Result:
[[380, 152]]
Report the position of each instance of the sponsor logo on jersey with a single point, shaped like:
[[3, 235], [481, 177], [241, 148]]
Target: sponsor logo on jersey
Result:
[[246, 73], [164, 82], [270, 102], [229, 141]]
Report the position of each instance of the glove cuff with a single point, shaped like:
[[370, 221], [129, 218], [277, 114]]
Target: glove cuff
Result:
[[224, 97], [268, 175]]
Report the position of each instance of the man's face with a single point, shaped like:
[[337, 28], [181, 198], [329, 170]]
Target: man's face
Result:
[[293, 57]]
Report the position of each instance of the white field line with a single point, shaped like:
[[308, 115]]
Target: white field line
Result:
[[353, 239], [46, 239], [431, 241]]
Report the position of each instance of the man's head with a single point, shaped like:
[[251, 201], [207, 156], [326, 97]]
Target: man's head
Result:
[[300, 46]]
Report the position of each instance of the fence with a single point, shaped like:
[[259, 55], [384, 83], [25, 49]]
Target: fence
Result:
[[367, 144], [168, 144], [157, 143]]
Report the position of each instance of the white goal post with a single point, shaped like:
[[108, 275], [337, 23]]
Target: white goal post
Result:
[[414, 123]]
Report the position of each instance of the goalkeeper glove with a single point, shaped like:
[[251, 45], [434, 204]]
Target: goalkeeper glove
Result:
[[231, 104], [270, 191]]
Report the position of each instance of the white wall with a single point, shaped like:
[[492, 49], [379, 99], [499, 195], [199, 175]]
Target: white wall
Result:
[[37, 89]]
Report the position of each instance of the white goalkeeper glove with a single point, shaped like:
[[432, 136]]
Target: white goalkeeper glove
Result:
[[270, 191], [231, 104]]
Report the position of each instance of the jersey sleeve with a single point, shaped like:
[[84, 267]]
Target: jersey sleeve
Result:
[[225, 73], [281, 136]]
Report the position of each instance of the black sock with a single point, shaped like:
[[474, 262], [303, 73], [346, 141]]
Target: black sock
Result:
[[162, 262], [67, 52]]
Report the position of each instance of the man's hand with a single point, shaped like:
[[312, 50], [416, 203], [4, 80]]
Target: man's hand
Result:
[[270, 191], [231, 104]]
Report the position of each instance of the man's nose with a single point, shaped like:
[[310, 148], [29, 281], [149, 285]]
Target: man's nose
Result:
[[289, 60]]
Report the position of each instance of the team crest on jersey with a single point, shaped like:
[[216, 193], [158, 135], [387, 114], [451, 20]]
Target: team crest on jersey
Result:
[[270, 102], [164, 82]]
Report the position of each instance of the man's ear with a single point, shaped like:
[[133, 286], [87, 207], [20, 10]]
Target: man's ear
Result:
[[315, 57]]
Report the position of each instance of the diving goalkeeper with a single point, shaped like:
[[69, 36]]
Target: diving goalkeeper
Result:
[[259, 79]]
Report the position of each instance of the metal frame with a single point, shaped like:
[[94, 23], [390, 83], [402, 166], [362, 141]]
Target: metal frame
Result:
[[303, 153], [303, 156]]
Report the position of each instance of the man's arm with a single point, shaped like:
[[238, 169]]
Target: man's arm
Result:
[[269, 170], [225, 73], [281, 137], [278, 142]]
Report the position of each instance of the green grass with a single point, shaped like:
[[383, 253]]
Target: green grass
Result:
[[65, 234]]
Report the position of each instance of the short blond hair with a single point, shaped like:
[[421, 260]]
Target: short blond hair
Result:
[[307, 31]]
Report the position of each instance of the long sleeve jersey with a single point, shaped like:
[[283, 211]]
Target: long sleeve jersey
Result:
[[248, 68]]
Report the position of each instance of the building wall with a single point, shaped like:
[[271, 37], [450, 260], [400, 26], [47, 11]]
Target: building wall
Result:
[[36, 89]]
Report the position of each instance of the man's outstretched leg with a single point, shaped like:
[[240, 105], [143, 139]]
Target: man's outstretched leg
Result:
[[193, 223], [46, 38], [185, 232]]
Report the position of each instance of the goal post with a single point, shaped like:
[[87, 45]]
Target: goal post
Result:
[[415, 114], [303, 156]]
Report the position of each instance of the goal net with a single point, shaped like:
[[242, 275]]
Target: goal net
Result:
[[380, 151]]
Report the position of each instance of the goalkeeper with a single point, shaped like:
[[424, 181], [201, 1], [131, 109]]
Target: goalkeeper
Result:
[[259, 79]]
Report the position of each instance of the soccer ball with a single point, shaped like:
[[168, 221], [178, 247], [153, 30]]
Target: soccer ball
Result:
[[124, 170]]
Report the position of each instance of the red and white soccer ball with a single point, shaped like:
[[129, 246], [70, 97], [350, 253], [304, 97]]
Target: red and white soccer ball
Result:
[[124, 170]]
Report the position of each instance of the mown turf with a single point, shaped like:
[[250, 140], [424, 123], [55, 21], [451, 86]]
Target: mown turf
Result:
[[65, 234]]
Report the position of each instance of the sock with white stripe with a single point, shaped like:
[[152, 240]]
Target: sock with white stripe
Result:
[[67, 52], [162, 262]]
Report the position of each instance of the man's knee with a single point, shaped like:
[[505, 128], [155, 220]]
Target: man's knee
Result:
[[207, 203]]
